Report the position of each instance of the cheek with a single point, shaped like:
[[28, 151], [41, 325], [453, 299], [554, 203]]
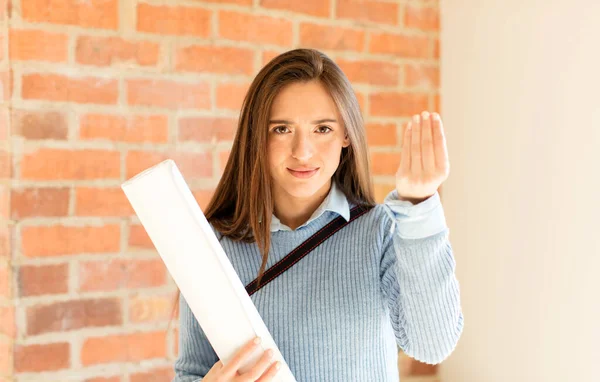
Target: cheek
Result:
[[276, 152], [330, 152]]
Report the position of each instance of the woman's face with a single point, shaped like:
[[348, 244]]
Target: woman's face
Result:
[[305, 139]]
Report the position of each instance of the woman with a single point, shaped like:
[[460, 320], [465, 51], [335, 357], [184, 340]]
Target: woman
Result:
[[386, 280]]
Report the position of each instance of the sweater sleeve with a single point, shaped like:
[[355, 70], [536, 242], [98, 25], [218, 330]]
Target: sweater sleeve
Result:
[[196, 355], [418, 279]]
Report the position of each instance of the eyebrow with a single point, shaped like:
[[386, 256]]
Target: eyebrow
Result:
[[291, 123]]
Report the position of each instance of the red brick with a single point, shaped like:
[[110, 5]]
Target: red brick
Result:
[[207, 129], [155, 375], [46, 357], [5, 164], [39, 280], [57, 87], [203, 197], [370, 72], [4, 131], [90, 14], [419, 368], [123, 348], [150, 308], [6, 85], [215, 59], [191, 165], [125, 128], [168, 94], [269, 55], [5, 238], [238, 2], [53, 164], [38, 45], [231, 95], [104, 379], [319, 8], [381, 191], [105, 51], [385, 163], [75, 314], [138, 238], [331, 37], [436, 48], [121, 273], [174, 20], [5, 281], [381, 134], [7, 322], [223, 158], [360, 98], [6, 364], [91, 201], [405, 46], [63, 240], [397, 104], [40, 124], [426, 76], [176, 340], [423, 18], [437, 106], [44, 201], [373, 11], [4, 202], [256, 29], [404, 364], [5, 9]]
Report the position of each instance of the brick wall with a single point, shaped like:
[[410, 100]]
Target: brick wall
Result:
[[95, 91]]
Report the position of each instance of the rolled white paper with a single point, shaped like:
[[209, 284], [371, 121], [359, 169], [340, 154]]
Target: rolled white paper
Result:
[[198, 264]]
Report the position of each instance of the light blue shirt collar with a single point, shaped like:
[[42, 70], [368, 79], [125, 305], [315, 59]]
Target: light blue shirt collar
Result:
[[335, 201]]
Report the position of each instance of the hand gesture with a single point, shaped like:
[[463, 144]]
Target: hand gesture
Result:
[[424, 164]]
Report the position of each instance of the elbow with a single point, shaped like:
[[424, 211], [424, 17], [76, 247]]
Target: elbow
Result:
[[437, 352]]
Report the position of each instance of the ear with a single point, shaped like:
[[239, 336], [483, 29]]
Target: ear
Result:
[[346, 141]]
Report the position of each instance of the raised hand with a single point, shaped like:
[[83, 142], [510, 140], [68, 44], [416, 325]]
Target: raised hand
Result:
[[424, 164]]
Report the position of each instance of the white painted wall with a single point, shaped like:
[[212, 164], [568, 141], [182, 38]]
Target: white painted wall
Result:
[[520, 85]]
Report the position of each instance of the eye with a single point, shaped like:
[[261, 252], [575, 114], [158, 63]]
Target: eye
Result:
[[277, 129], [326, 131]]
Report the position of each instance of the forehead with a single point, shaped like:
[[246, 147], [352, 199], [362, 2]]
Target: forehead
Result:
[[303, 101]]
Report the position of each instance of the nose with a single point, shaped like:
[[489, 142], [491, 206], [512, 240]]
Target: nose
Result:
[[302, 148]]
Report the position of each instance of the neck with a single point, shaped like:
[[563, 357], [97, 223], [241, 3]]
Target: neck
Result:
[[293, 211]]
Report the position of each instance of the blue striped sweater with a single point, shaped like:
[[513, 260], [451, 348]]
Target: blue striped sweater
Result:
[[385, 281]]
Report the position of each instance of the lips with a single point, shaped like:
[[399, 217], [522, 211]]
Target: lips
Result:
[[303, 172]]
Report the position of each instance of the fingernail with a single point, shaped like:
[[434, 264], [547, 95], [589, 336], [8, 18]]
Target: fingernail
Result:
[[257, 340], [277, 366], [425, 115], [416, 118]]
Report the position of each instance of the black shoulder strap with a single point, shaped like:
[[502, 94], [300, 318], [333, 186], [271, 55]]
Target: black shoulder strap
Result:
[[304, 248]]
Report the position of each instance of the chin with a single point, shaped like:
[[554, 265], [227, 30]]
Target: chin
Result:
[[302, 188], [302, 191]]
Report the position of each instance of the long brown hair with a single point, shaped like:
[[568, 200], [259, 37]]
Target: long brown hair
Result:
[[243, 196]]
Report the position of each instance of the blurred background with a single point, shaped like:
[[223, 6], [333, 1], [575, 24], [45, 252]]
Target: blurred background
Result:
[[95, 91]]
